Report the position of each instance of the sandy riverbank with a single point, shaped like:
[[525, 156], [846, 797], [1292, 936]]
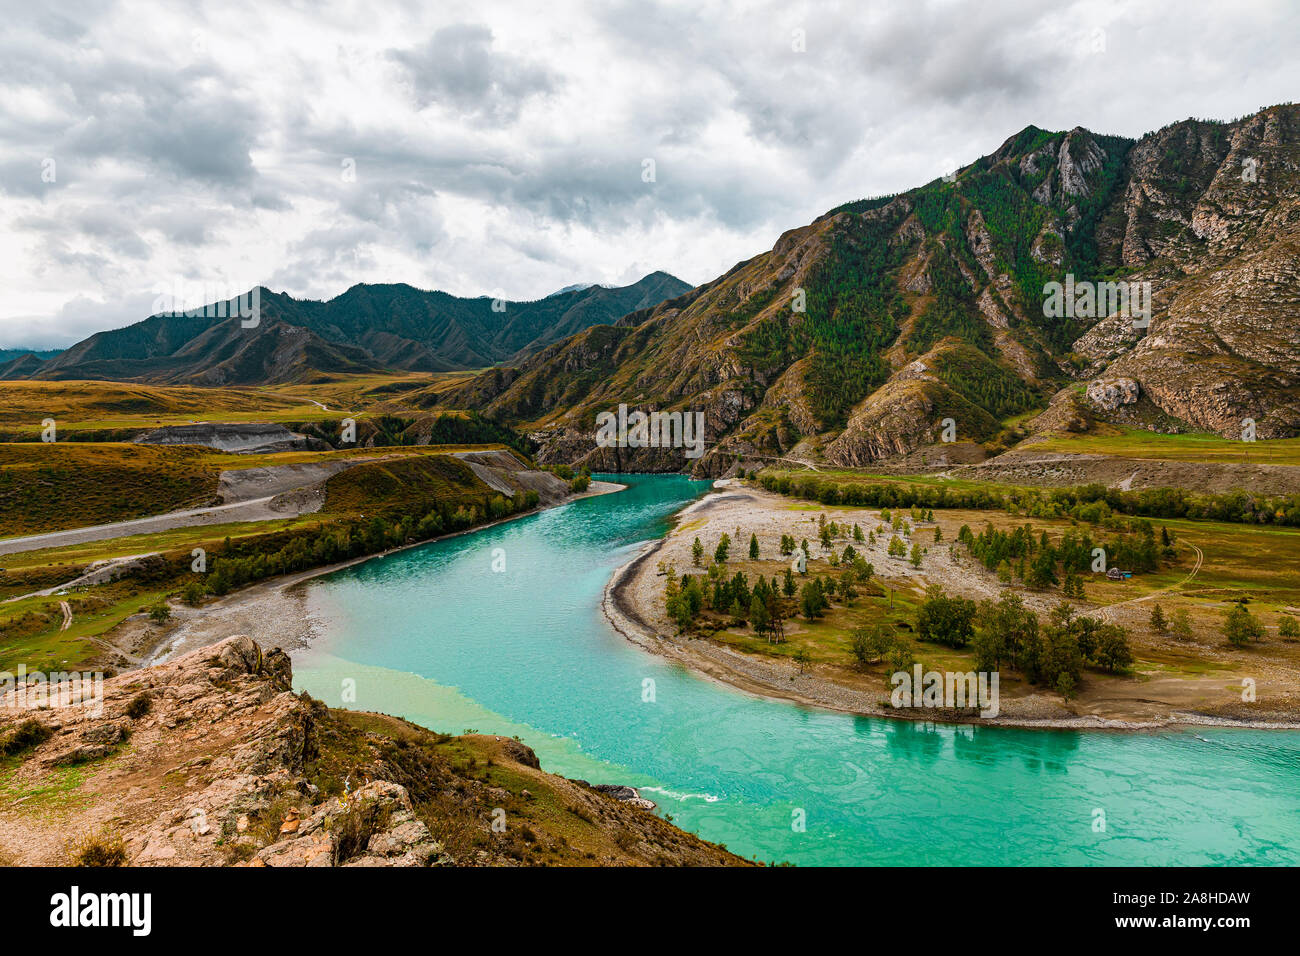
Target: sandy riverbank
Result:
[[274, 612], [633, 603]]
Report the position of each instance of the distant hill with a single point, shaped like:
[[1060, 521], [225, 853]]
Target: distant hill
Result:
[[367, 328], [8, 355]]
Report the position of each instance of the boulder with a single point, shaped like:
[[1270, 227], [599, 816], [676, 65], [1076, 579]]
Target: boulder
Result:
[[1109, 394]]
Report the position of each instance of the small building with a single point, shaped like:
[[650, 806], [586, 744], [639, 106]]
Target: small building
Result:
[[799, 564]]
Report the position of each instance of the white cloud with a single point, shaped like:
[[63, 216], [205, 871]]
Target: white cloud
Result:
[[500, 146]]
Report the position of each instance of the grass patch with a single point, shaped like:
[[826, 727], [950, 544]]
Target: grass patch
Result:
[[1197, 447]]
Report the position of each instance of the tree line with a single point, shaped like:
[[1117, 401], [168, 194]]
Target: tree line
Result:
[[1092, 502], [243, 563]]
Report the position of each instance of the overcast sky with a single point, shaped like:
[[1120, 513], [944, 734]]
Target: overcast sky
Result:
[[502, 148]]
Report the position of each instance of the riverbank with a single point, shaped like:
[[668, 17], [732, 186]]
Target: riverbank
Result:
[[281, 600], [434, 636], [213, 759], [1152, 698]]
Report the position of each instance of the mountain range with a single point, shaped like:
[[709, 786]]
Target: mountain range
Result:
[[368, 328], [880, 328], [858, 335]]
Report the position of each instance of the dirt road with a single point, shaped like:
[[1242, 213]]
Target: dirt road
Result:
[[257, 509], [1200, 559]]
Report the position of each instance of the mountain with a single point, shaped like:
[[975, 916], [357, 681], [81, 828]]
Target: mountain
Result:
[[19, 363], [934, 304], [8, 355], [576, 287], [367, 328]]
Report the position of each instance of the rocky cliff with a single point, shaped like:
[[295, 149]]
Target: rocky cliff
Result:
[[213, 760]]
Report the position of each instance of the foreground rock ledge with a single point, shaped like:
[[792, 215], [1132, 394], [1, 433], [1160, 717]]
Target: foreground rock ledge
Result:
[[212, 760]]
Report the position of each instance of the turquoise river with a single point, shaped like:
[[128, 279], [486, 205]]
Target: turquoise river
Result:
[[436, 635]]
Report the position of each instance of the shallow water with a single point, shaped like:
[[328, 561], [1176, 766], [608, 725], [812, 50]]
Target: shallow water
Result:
[[435, 635]]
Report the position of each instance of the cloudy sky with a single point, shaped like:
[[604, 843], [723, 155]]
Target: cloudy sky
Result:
[[505, 148]]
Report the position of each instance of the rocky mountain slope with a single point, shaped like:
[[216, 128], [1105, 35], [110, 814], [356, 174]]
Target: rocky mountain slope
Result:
[[856, 337], [212, 760], [366, 329]]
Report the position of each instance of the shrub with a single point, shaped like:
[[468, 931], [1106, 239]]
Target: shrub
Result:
[[139, 706], [98, 849], [27, 735], [358, 825]]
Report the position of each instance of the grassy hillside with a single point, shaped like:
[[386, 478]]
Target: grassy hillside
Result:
[[78, 400], [86, 409], [48, 487], [414, 483], [456, 782]]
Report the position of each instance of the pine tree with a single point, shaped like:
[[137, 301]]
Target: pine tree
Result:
[[697, 553], [758, 615], [753, 547], [1158, 623]]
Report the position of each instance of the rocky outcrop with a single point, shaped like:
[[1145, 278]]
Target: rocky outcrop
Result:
[[900, 417], [503, 471], [375, 826], [213, 760], [1110, 394], [259, 437], [628, 795]]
